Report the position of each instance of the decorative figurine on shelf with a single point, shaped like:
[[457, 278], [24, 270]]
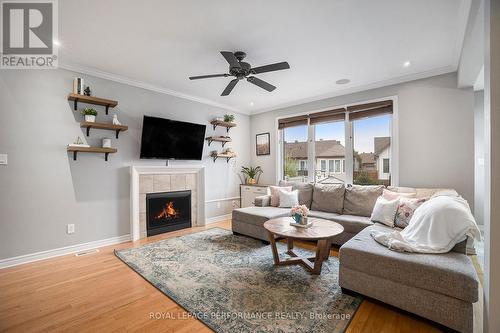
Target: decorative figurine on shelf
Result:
[[86, 92], [78, 143], [115, 120], [78, 85]]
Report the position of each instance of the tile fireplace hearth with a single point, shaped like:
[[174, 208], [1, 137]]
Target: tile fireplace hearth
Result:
[[147, 180], [167, 211]]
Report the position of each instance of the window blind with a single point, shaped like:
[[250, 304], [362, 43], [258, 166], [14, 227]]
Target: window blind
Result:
[[369, 110], [293, 121], [358, 111], [327, 116]]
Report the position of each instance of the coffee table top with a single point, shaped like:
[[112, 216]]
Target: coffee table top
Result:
[[320, 229]]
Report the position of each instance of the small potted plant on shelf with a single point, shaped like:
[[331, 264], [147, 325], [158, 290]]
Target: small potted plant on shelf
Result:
[[89, 114], [229, 118], [252, 174]]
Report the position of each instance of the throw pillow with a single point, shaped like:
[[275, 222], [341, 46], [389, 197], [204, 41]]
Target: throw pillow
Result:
[[360, 199], [385, 211], [407, 207], [328, 198], [275, 197], [288, 199], [305, 191], [391, 195]]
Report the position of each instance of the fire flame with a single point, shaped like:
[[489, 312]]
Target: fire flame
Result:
[[168, 211]]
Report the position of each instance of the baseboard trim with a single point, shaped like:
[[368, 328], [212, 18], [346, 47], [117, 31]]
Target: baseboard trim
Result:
[[27, 258], [219, 218]]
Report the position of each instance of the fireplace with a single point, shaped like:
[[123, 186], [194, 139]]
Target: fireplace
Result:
[[167, 211]]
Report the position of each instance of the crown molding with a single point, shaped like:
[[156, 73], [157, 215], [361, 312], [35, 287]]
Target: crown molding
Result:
[[374, 85], [144, 85]]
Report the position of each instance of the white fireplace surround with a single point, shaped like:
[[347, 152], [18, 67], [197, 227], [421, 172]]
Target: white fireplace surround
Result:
[[136, 172]]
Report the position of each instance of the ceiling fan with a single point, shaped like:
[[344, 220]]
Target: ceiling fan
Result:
[[241, 70]]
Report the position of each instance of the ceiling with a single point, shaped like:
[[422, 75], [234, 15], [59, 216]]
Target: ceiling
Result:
[[158, 44]]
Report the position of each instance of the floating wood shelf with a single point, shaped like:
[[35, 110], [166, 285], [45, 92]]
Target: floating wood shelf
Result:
[[222, 139], [221, 123], [117, 128], [226, 156], [99, 150], [108, 103]]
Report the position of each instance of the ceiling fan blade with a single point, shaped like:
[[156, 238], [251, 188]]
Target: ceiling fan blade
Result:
[[229, 87], [263, 84], [271, 68], [231, 59], [207, 76]]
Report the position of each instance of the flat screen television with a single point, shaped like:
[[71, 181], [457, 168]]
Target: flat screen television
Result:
[[170, 139]]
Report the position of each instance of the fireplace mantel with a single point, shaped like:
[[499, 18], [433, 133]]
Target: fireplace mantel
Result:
[[196, 172]]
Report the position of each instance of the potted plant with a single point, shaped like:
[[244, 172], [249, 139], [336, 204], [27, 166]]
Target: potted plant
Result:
[[89, 114], [229, 118], [299, 214], [252, 174]]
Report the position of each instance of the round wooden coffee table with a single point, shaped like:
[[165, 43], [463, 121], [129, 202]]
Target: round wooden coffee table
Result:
[[321, 231]]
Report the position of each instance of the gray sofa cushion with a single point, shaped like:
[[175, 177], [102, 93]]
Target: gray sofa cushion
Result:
[[360, 199], [305, 191], [263, 200], [328, 198], [451, 273], [351, 223], [259, 215]]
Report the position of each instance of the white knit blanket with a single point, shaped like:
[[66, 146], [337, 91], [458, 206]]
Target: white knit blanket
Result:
[[435, 227]]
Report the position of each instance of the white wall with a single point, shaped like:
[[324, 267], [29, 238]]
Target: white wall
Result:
[[42, 189], [435, 120], [479, 180], [471, 59], [492, 166]]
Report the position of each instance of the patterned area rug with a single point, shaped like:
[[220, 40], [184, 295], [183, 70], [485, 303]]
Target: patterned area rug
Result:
[[230, 283]]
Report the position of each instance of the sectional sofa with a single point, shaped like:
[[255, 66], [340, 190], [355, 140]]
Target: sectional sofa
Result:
[[440, 287]]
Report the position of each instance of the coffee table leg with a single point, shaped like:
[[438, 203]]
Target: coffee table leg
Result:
[[273, 247], [328, 247], [321, 248], [289, 242]]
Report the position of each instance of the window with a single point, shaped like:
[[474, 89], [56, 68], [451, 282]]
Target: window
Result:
[[349, 144], [329, 145], [386, 165], [337, 166], [323, 165], [295, 153], [372, 145]]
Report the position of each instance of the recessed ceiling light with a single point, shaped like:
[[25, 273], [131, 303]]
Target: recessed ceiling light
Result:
[[56, 42], [251, 103], [342, 81], [407, 63]]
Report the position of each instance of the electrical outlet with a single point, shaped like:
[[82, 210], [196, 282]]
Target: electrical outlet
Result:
[[3, 159], [70, 229], [218, 204], [234, 203]]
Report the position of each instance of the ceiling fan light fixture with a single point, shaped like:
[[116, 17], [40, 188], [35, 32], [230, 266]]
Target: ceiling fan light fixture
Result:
[[243, 70]]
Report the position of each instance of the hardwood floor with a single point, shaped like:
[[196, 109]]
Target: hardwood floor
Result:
[[99, 293]]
